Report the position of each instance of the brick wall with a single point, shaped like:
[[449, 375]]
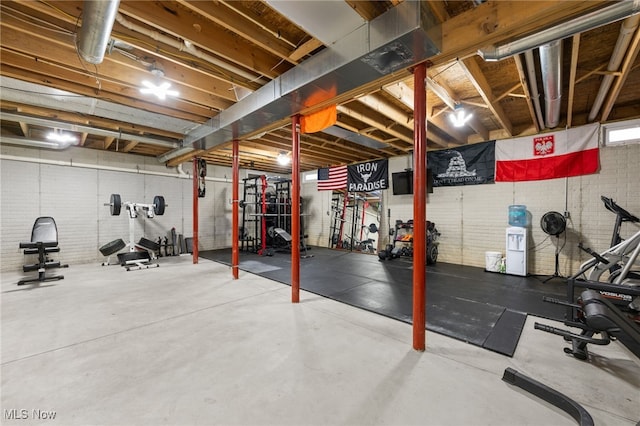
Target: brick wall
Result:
[[73, 184]]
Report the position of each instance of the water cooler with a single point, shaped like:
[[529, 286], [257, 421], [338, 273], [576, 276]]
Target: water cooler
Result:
[[516, 241]]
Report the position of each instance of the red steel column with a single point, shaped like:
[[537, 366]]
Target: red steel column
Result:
[[195, 210], [295, 209], [419, 206], [235, 183]]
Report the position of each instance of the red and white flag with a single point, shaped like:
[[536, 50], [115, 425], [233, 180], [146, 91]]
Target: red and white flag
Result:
[[572, 152]]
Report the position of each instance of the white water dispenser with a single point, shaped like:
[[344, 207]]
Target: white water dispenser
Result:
[[516, 263]]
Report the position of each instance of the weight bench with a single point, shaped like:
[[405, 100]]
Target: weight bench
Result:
[[597, 315], [44, 240], [288, 239]]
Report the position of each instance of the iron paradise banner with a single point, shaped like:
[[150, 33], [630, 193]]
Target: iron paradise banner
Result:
[[465, 165], [368, 176]]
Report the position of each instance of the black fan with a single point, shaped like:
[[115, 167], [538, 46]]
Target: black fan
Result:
[[554, 223]]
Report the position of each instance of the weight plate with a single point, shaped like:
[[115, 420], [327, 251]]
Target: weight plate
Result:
[[112, 247], [115, 204], [158, 205], [148, 244]]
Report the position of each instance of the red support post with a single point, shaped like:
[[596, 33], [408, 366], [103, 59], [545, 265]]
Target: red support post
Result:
[[295, 209], [235, 183], [195, 210], [419, 206]]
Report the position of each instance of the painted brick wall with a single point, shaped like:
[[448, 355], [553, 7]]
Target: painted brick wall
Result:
[[472, 219], [72, 186]]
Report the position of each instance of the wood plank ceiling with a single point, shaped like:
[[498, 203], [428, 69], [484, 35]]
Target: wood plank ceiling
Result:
[[214, 51]]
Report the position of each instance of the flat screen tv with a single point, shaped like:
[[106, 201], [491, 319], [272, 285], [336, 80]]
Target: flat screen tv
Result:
[[403, 182]]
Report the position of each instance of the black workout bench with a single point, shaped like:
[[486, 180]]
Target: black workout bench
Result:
[[44, 241]]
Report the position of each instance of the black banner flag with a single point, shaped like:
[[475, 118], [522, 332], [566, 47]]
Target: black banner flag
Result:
[[368, 176], [465, 165]]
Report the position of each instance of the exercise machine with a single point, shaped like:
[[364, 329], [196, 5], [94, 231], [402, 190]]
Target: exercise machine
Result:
[[141, 253], [44, 241], [623, 284], [403, 242], [596, 315]]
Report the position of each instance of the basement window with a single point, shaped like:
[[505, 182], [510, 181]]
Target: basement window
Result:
[[310, 176], [623, 133]]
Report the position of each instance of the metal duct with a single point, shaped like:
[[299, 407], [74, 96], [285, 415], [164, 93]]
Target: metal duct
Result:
[[551, 67], [391, 42], [86, 129], [13, 90], [32, 143], [98, 17], [615, 12], [627, 29]]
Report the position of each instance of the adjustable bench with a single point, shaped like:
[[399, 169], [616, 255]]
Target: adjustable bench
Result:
[[44, 240]]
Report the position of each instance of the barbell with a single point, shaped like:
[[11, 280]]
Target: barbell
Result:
[[115, 204]]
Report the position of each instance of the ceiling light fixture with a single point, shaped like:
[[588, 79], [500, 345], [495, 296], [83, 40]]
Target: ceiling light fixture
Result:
[[161, 91], [63, 139], [459, 117], [283, 159]]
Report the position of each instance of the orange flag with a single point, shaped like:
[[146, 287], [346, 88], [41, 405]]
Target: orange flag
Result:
[[319, 120]]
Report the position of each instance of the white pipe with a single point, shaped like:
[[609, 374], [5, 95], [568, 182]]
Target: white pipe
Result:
[[71, 163], [86, 129], [98, 17], [533, 86], [17, 140], [186, 46], [627, 29]]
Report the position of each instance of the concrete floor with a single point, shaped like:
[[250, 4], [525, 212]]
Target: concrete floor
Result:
[[184, 344]]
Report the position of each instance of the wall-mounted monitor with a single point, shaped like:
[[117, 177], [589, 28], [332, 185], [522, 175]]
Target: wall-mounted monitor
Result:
[[403, 182]]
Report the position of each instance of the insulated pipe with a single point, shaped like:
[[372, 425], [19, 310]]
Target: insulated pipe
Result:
[[98, 17], [295, 209], [533, 86], [419, 206], [598, 18], [16, 140], [185, 46], [551, 68], [195, 210], [235, 183], [627, 29], [86, 129]]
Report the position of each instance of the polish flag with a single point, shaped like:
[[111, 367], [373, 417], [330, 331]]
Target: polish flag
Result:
[[572, 152]]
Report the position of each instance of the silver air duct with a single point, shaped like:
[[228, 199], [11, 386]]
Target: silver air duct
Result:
[[587, 22], [98, 17], [396, 40], [551, 68]]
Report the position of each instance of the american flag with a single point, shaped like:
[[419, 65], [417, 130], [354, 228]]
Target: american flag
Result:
[[332, 178]]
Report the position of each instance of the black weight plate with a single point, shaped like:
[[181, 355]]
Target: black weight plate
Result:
[[115, 204], [148, 244], [158, 205], [112, 247]]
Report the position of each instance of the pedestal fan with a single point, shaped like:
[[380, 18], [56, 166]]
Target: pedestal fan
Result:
[[554, 223]]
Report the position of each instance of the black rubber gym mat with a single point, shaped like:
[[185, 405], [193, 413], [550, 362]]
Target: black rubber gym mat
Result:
[[463, 302], [505, 334]]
